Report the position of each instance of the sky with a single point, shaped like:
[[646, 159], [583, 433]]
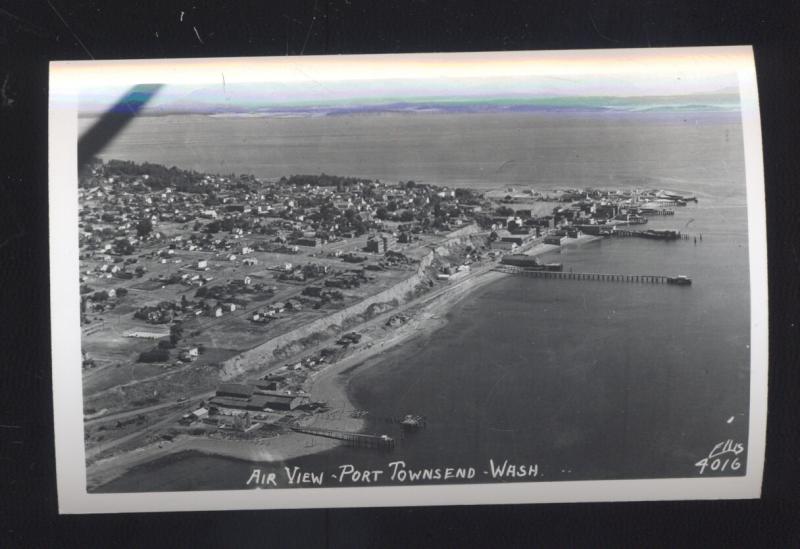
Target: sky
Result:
[[270, 85], [309, 97]]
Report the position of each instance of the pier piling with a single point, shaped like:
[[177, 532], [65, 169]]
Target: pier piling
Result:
[[603, 277], [359, 440]]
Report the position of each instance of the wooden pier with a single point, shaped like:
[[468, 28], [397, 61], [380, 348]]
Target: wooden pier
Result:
[[667, 203], [603, 277], [623, 233], [665, 236], [358, 440]]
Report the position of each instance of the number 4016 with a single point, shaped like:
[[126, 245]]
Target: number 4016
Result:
[[719, 464]]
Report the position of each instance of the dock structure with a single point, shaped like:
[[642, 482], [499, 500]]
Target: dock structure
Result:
[[358, 440], [623, 233], [604, 277], [653, 235]]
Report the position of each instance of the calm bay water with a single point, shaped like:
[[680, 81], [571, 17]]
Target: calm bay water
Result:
[[701, 151], [589, 380]]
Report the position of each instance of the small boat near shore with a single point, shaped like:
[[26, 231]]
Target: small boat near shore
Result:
[[412, 422]]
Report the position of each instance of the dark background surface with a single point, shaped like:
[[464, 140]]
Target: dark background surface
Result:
[[35, 32]]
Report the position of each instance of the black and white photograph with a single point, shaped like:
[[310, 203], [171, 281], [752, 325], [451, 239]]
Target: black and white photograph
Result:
[[421, 279]]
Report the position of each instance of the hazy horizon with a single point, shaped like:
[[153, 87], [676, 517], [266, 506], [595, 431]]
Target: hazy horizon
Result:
[[311, 97]]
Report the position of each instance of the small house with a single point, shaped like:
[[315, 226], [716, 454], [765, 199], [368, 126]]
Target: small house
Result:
[[200, 413]]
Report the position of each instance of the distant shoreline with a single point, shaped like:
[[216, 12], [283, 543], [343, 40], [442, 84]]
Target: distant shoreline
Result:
[[670, 110]]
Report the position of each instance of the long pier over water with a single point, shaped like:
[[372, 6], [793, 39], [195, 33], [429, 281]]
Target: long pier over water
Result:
[[359, 440], [605, 277]]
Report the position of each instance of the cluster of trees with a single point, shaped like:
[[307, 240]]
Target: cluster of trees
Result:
[[175, 333], [468, 196], [390, 212], [98, 297], [484, 221], [160, 353], [220, 293], [123, 246], [159, 177], [352, 222], [144, 228], [102, 295], [154, 355], [325, 180], [226, 224], [348, 220], [159, 314]]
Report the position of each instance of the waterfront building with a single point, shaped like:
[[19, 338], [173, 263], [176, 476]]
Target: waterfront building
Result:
[[555, 239]]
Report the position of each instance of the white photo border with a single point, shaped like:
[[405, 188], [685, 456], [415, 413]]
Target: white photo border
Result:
[[67, 78]]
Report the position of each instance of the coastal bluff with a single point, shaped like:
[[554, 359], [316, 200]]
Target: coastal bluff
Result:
[[330, 325], [326, 326]]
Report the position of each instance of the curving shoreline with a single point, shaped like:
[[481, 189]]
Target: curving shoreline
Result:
[[328, 385]]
